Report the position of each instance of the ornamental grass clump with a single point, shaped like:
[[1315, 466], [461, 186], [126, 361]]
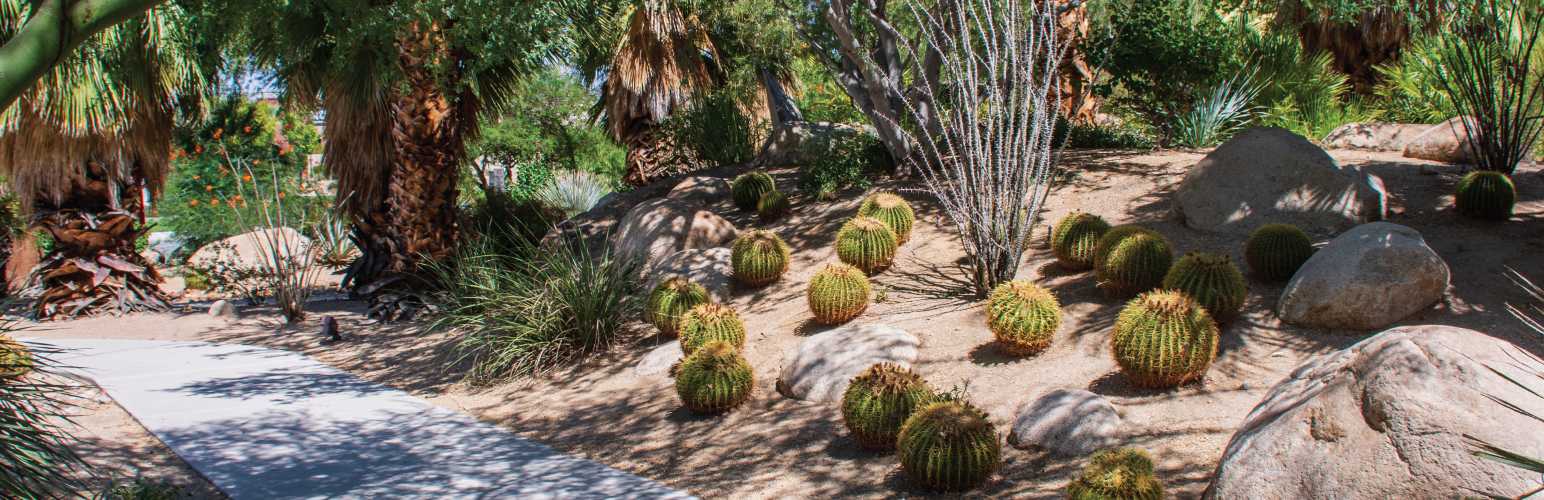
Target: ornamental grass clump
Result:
[[714, 379], [1211, 280], [1117, 474], [837, 294], [1486, 194], [1131, 260], [758, 258], [708, 323], [1023, 317], [671, 300], [1163, 339], [948, 445], [748, 188], [867, 244], [1074, 239], [892, 210], [1275, 251], [879, 400]]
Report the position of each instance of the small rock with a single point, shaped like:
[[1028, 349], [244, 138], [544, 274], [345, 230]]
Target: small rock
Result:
[[330, 331], [1447, 142], [1069, 422], [223, 309], [709, 267], [1368, 278], [658, 361], [820, 368]]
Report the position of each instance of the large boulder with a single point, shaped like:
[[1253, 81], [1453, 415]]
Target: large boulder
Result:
[[1386, 418], [1376, 136], [804, 142], [1071, 422], [1447, 142], [702, 190], [709, 267], [1266, 175], [250, 250], [660, 227], [1368, 278], [822, 366]]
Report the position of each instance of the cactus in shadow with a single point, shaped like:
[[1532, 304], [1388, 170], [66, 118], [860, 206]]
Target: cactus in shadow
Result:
[[1131, 261], [670, 300], [748, 188], [1117, 474], [714, 379], [1023, 317], [15, 358], [1212, 280], [1275, 251], [866, 243], [758, 258], [772, 206], [879, 400], [1163, 339], [948, 446], [837, 294], [892, 210], [1074, 238], [1486, 194], [711, 323]]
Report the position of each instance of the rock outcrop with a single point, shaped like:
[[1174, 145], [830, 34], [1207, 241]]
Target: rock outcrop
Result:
[[1368, 278]]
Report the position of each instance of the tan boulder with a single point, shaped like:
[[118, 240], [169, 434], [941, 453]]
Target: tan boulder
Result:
[[250, 250], [1368, 278], [1376, 136], [1446, 142], [660, 227]]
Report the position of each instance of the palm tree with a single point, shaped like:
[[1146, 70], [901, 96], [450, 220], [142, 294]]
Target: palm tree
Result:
[[1359, 36], [81, 146]]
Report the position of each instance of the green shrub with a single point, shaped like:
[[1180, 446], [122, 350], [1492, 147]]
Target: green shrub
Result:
[[1117, 474], [1131, 262], [1275, 251], [1074, 238], [711, 323], [759, 258], [670, 300], [878, 401], [892, 210], [714, 379], [1100, 136], [1023, 317], [716, 131], [1408, 92], [1163, 339], [1486, 194], [850, 161], [573, 192], [948, 446], [837, 294], [748, 188], [772, 206], [1210, 279], [866, 243]]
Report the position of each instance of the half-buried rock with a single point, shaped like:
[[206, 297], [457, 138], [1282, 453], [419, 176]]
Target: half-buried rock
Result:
[[657, 228], [709, 267], [822, 366], [1368, 278], [1071, 422]]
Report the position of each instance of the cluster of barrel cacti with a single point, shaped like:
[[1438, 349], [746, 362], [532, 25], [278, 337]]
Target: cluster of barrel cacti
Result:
[[1023, 317], [1275, 251], [892, 210], [1117, 474], [1074, 238], [709, 323], [866, 243], [1210, 279], [670, 300], [748, 188], [758, 257], [837, 294], [1164, 339], [1131, 259], [879, 400], [714, 379], [1486, 194], [948, 445], [15, 358], [772, 206]]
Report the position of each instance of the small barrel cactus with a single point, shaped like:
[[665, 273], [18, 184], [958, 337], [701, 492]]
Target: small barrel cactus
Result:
[[1117, 474], [837, 294], [1023, 316], [15, 358], [1486, 194], [1275, 251], [866, 243], [772, 206], [711, 323], [748, 188], [670, 300], [758, 258], [714, 379], [949, 446], [878, 401], [1163, 339], [1074, 239], [1211, 280], [1132, 262], [892, 210]]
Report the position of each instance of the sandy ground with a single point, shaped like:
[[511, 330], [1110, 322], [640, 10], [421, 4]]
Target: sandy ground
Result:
[[776, 447]]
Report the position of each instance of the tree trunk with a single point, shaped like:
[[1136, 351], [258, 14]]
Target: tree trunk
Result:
[[419, 219], [1079, 104]]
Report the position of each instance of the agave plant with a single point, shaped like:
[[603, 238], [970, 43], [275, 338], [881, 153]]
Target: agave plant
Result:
[[573, 192], [333, 246], [1217, 116]]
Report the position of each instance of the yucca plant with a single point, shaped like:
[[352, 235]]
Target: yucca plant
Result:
[[36, 402], [1210, 279], [714, 379], [837, 294], [772, 206], [866, 243], [670, 300], [1488, 66], [1164, 339], [1275, 251], [573, 192], [333, 245], [891, 209], [1117, 474], [1486, 194], [1132, 262], [1023, 317], [1218, 115], [879, 400], [748, 188], [711, 323], [949, 446], [1074, 238]]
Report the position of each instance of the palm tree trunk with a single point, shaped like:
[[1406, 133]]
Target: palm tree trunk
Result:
[[428, 132], [94, 266]]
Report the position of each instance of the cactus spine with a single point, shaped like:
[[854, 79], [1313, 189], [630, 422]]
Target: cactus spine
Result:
[[1131, 261], [892, 210], [1117, 474], [758, 258], [714, 379], [1486, 194], [748, 188], [1275, 251], [15, 358], [711, 323], [670, 300], [1210, 279], [1163, 339], [878, 401], [949, 446], [866, 243], [772, 206], [1074, 239], [1023, 317], [837, 294]]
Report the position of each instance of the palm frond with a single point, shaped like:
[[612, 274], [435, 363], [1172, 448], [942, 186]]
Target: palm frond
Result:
[[662, 62]]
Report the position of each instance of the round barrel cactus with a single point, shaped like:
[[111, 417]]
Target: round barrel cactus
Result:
[[1486, 194], [1074, 238], [758, 258], [878, 401], [1211, 280], [714, 379], [1023, 317], [711, 323], [892, 210], [772, 206], [837, 294], [15, 358], [1132, 262], [670, 300], [1163, 339], [866, 243], [948, 446], [748, 188], [1275, 251], [1123, 474]]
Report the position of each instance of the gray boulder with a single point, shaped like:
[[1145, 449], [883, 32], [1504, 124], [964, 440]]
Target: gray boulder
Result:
[[251, 250], [660, 227], [1368, 278], [223, 309], [701, 190], [822, 366], [1266, 175], [1386, 418], [1376, 136], [1447, 142], [1070, 422], [659, 361], [803, 142], [709, 267]]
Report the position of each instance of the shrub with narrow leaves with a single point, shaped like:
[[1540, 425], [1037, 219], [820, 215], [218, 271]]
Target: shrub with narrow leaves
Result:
[[1163, 339], [748, 188], [1117, 474], [948, 446], [1486, 194], [772, 206], [1023, 317], [672, 299], [1132, 262], [1074, 239], [708, 323], [15, 358], [879, 400], [866, 243], [758, 258], [892, 210], [714, 379], [1211, 280], [837, 294], [1275, 251]]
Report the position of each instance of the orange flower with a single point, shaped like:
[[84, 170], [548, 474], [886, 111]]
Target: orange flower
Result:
[[208, 188], [246, 178], [218, 133], [237, 198], [247, 129], [281, 195], [198, 148], [192, 203], [214, 201], [196, 177], [257, 162]]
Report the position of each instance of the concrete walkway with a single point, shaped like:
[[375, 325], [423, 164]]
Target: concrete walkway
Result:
[[263, 423]]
